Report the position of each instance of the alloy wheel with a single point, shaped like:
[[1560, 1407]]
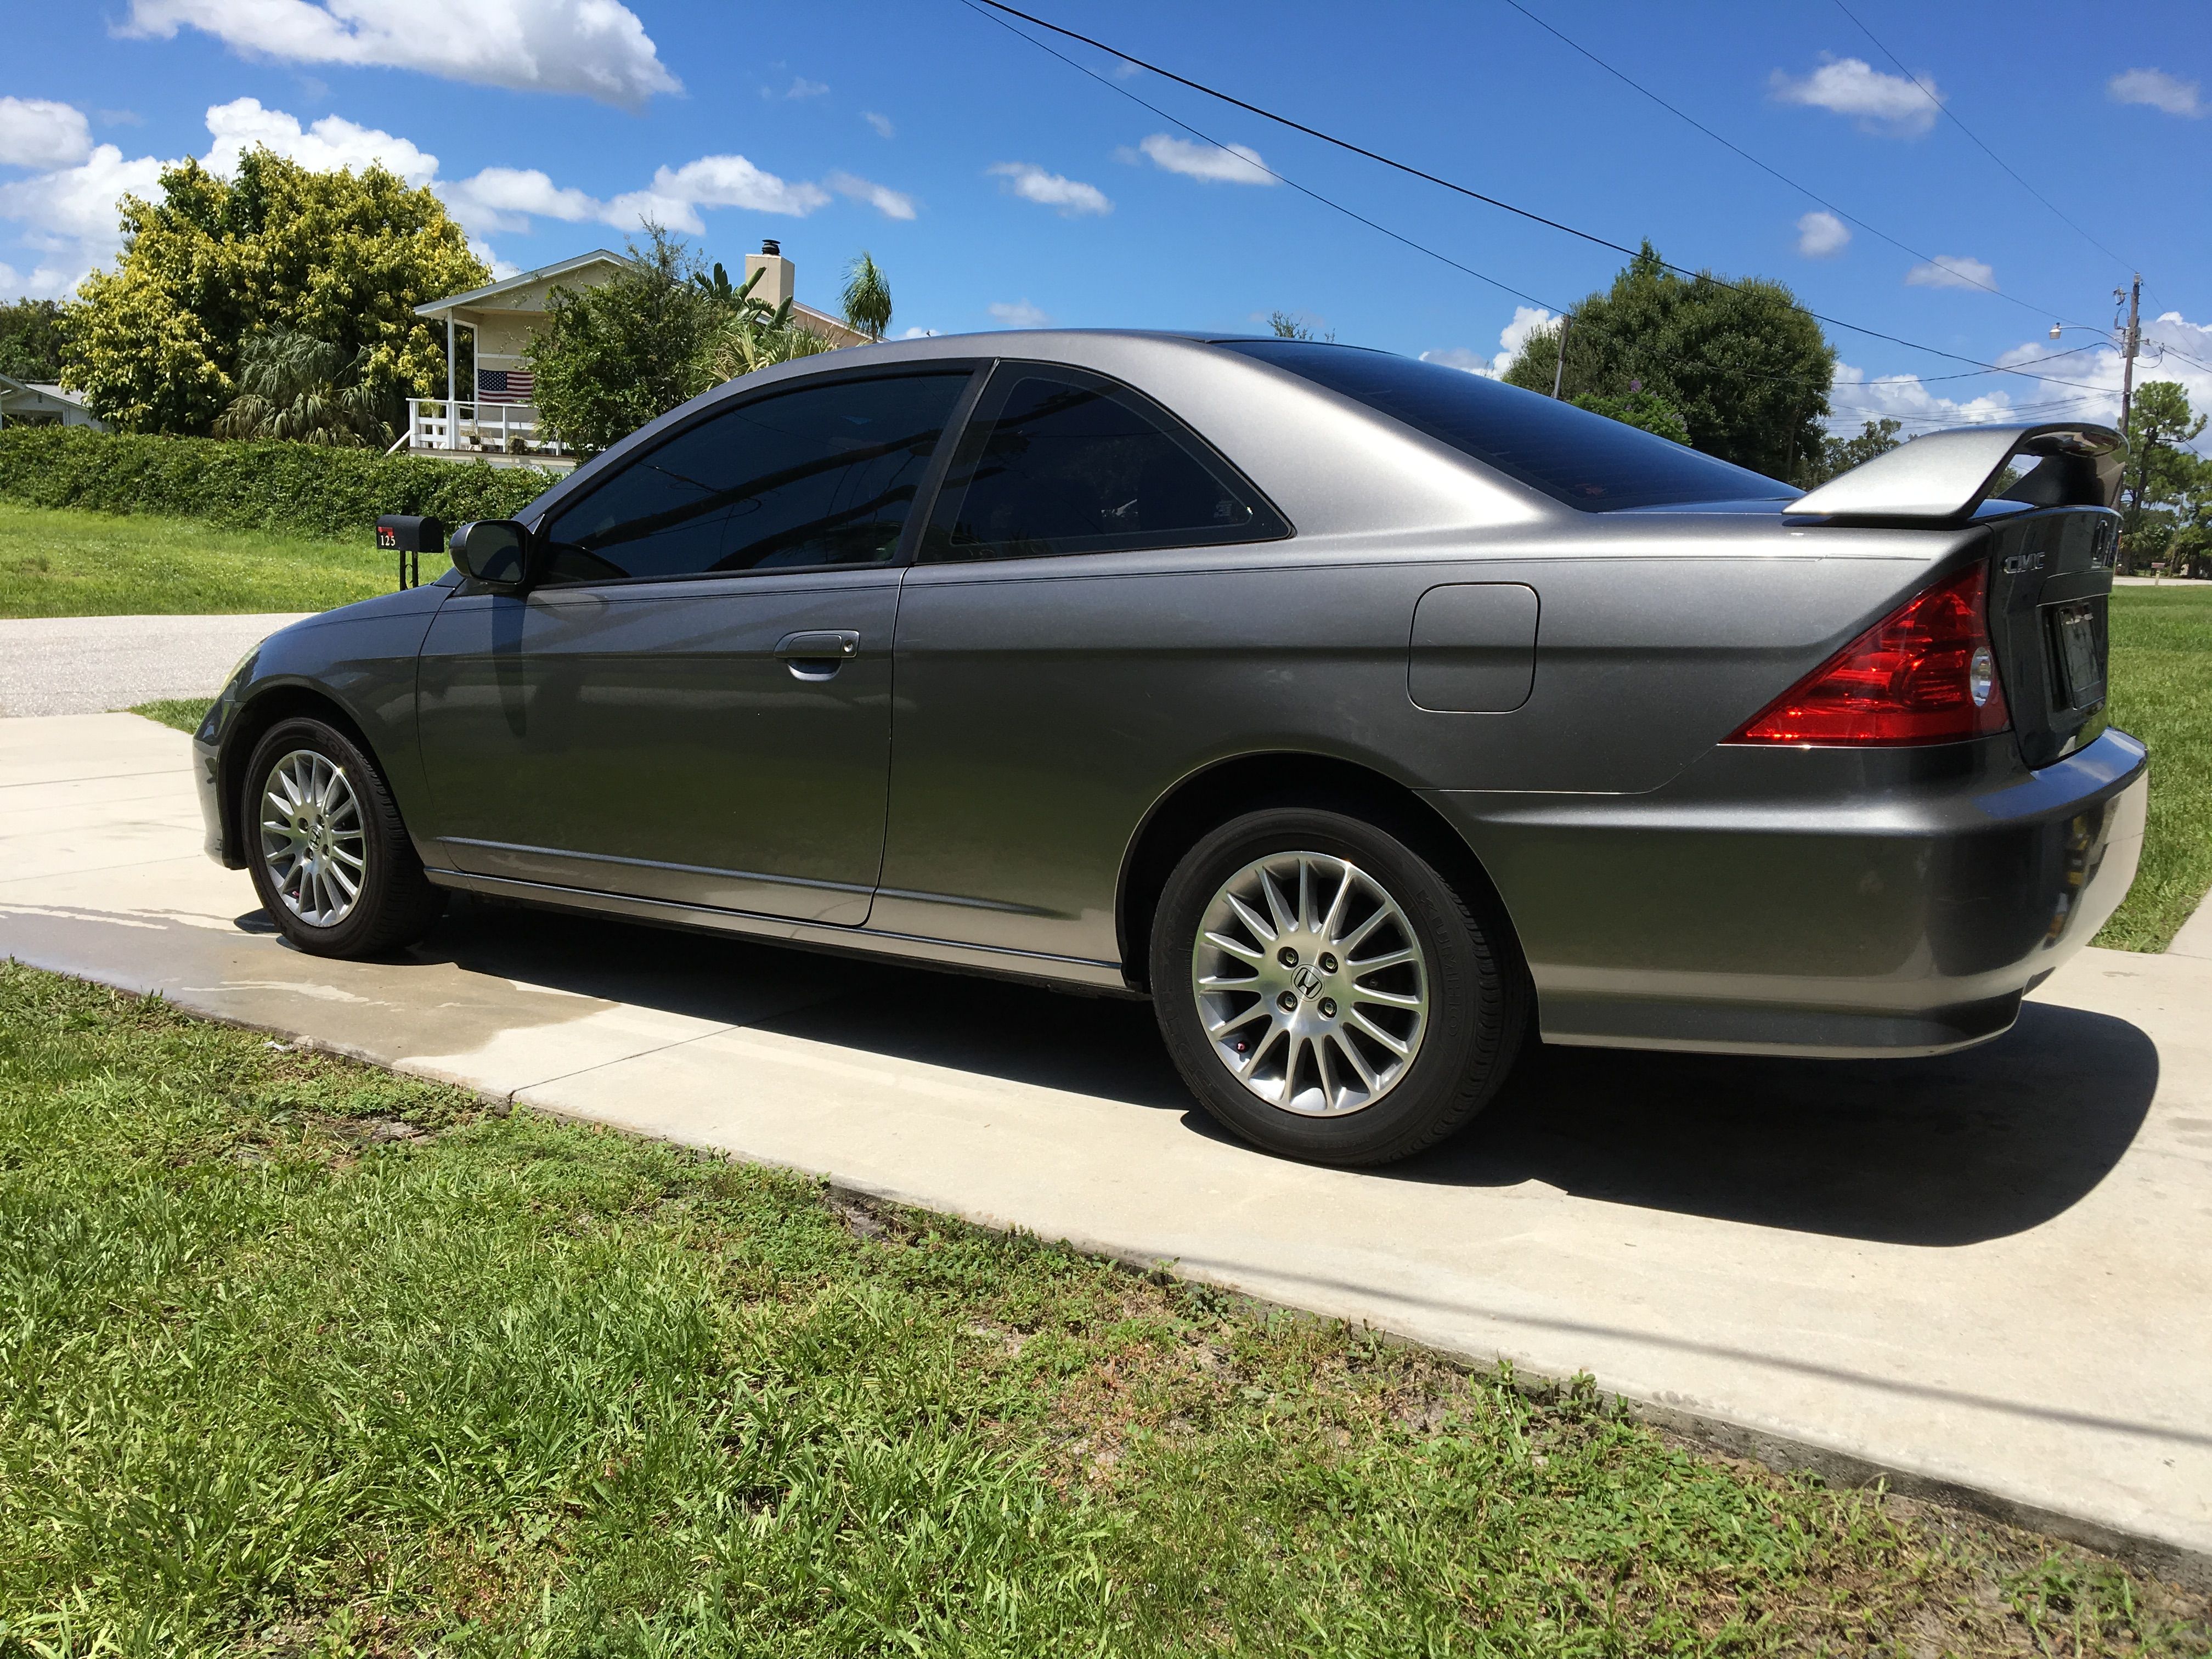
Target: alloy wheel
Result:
[[313, 841], [1311, 984]]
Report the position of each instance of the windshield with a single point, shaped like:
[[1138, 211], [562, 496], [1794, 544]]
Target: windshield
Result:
[[1586, 460]]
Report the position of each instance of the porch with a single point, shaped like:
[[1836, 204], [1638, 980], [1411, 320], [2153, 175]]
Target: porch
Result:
[[459, 429]]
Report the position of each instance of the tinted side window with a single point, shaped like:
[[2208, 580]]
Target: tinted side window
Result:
[[1571, 454], [1058, 461], [821, 476]]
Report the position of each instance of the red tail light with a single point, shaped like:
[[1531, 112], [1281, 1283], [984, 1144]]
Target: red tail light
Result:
[[1926, 673]]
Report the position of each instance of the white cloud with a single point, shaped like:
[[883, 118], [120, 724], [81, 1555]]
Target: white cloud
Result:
[[1889, 104], [800, 87], [918, 334], [882, 123], [1033, 184], [38, 132], [506, 199], [1822, 235], [1527, 320], [1235, 164], [598, 48], [2084, 385], [2158, 90], [1019, 314], [332, 142], [71, 211], [1855, 400], [1951, 270], [892, 203]]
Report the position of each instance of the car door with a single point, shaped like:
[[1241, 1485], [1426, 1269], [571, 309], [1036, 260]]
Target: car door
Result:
[[694, 705], [1082, 613]]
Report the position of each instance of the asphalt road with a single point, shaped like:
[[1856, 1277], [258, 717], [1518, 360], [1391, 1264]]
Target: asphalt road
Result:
[[1986, 1272], [86, 665]]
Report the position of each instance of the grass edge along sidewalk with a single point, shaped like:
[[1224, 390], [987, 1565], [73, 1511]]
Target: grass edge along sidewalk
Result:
[[302, 1355]]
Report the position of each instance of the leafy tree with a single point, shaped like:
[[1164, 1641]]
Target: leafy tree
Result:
[[295, 387], [1285, 326], [31, 340], [1639, 407], [615, 355], [867, 297], [1837, 455], [341, 257], [662, 331], [1743, 364], [2162, 472]]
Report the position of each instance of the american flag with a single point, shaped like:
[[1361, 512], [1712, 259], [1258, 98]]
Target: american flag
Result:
[[505, 385]]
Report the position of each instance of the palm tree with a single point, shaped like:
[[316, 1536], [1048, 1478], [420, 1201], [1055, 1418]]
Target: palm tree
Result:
[[867, 297], [295, 387]]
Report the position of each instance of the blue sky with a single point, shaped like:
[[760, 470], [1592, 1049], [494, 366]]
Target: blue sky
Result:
[[998, 186]]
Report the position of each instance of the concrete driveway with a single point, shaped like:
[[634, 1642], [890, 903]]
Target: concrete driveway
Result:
[[82, 665], [1990, 1272]]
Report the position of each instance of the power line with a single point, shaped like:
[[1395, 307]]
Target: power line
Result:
[[1806, 191], [1971, 133], [1430, 178]]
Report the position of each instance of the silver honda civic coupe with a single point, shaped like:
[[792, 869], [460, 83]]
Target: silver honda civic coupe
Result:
[[1371, 717]]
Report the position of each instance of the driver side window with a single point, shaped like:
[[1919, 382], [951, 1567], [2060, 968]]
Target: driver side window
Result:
[[823, 475]]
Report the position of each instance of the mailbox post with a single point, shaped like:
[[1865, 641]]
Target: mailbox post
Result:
[[411, 538]]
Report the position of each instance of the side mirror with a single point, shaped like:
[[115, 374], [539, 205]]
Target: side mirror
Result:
[[493, 551]]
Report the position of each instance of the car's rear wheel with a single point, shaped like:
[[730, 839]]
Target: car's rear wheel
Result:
[[1326, 993], [330, 859]]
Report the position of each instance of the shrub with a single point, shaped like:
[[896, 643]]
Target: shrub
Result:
[[308, 488]]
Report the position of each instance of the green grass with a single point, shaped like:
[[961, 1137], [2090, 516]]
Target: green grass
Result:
[[69, 563], [184, 714], [298, 1357], [2161, 681]]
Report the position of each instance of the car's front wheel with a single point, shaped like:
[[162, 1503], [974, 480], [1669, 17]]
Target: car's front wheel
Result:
[[1326, 992], [330, 859]]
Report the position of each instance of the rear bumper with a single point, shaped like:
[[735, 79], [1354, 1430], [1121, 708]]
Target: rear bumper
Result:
[[1812, 902]]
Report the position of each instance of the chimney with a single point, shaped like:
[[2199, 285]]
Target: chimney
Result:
[[774, 285]]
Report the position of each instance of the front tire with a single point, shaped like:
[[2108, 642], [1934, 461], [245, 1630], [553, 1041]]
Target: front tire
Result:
[[330, 859], [1326, 993]]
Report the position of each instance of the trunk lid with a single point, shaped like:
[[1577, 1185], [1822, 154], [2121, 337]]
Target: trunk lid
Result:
[[2050, 582]]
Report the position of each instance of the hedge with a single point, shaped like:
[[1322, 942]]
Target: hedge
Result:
[[319, 491]]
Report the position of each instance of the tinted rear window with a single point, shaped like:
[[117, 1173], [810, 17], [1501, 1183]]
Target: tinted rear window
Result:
[[1573, 456]]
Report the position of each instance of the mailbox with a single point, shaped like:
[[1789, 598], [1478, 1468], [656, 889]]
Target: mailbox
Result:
[[410, 537]]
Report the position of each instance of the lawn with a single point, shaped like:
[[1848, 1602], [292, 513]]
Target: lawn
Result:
[[64, 563], [2161, 681], [300, 1357]]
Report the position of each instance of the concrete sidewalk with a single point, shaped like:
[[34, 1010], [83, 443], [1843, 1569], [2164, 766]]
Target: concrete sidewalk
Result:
[[1989, 1273], [82, 664]]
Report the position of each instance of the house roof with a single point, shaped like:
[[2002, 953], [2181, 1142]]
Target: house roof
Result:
[[43, 389], [560, 268], [834, 329]]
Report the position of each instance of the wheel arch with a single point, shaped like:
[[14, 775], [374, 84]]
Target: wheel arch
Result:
[[282, 701], [1215, 794]]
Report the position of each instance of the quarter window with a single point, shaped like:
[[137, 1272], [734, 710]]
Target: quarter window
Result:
[[1059, 461], [825, 475]]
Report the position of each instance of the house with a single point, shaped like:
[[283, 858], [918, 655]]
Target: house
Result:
[[496, 416], [36, 403]]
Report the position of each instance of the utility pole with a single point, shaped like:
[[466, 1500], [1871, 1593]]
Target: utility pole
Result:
[[1560, 368], [2131, 344]]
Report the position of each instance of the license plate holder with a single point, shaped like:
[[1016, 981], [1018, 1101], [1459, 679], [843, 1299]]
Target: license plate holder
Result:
[[2077, 651]]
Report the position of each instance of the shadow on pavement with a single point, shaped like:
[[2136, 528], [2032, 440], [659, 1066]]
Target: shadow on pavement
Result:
[[1949, 1150], [1955, 1150]]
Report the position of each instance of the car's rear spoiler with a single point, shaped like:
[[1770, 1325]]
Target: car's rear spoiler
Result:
[[1947, 475]]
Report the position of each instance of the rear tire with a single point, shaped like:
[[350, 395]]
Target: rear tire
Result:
[[331, 860], [1326, 993]]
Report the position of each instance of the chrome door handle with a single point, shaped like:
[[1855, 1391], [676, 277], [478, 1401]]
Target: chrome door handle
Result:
[[816, 653]]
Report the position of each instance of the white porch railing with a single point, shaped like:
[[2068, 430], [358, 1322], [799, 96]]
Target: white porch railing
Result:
[[434, 424]]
